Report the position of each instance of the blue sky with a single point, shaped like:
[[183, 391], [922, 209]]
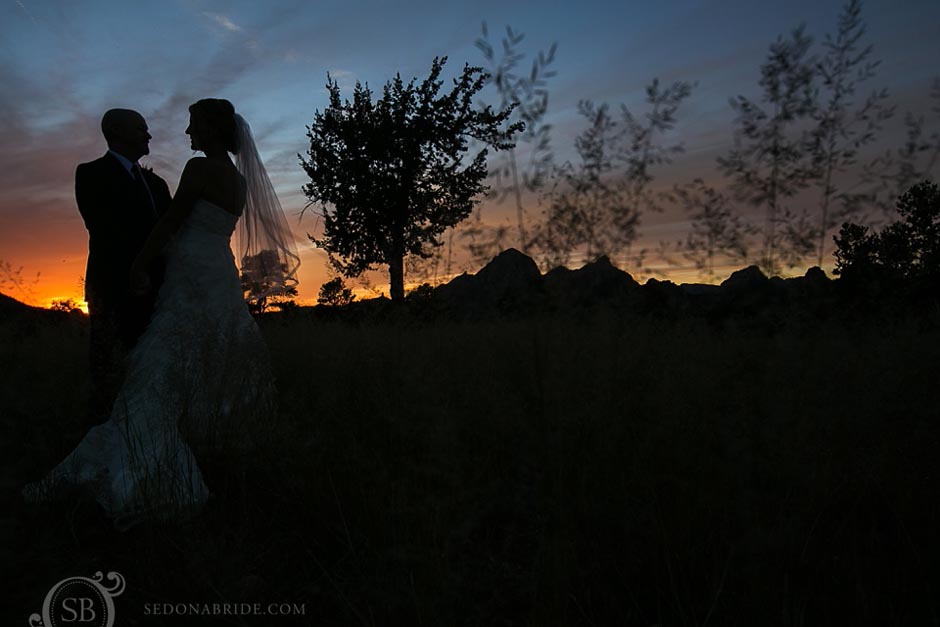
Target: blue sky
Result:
[[64, 63]]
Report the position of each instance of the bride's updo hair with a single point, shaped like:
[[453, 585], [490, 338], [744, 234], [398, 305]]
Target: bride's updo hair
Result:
[[218, 115]]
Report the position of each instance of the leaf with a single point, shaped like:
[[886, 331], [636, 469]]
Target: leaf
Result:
[[485, 48]]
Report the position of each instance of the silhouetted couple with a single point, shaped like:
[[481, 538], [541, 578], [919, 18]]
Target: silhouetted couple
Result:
[[175, 354]]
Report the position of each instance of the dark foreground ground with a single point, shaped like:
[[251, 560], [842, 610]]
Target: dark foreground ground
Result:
[[543, 470]]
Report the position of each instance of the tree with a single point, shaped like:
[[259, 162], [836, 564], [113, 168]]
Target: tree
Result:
[[483, 242], [842, 130], [597, 205], [67, 305], [891, 173], [528, 94], [423, 292], [717, 232], [265, 282], [906, 249], [641, 152], [391, 175], [11, 280], [335, 293], [768, 163], [584, 197]]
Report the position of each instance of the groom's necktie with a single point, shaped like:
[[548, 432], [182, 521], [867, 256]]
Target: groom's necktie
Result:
[[142, 189]]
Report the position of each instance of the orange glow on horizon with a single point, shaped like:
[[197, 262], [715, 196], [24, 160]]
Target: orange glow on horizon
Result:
[[79, 304], [51, 248], [58, 284]]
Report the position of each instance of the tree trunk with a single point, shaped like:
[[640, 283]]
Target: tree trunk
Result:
[[396, 273]]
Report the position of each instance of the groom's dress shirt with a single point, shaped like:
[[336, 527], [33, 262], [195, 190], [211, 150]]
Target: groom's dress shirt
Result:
[[134, 171], [124, 161]]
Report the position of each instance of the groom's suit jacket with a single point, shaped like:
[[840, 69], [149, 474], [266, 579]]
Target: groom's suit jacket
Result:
[[118, 220]]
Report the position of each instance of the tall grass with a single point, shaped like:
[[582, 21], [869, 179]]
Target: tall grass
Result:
[[552, 470]]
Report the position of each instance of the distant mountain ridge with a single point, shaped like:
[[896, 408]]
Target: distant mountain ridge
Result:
[[22, 318], [512, 282], [9, 305], [512, 285]]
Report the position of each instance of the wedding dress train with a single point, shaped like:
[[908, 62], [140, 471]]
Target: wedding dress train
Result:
[[200, 368]]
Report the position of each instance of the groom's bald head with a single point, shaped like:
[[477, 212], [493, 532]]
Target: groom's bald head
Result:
[[126, 132]]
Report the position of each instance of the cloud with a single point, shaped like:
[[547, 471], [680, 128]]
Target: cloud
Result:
[[223, 21], [26, 11], [345, 79]]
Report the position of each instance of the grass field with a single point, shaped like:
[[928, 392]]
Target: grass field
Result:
[[550, 470]]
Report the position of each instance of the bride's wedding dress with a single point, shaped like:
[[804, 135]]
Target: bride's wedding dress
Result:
[[199, 370]]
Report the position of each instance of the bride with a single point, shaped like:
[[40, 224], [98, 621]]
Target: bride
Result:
[[201, 367]]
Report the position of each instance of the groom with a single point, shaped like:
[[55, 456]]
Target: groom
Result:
[[120, 203]]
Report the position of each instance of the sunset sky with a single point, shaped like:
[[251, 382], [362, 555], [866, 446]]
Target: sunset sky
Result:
[[64, 63]]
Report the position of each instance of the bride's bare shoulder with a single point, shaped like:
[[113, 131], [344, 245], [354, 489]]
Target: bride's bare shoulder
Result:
[[208, 171], [195, 168]]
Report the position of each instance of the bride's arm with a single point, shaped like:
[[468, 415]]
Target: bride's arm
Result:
[[187, 193]]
